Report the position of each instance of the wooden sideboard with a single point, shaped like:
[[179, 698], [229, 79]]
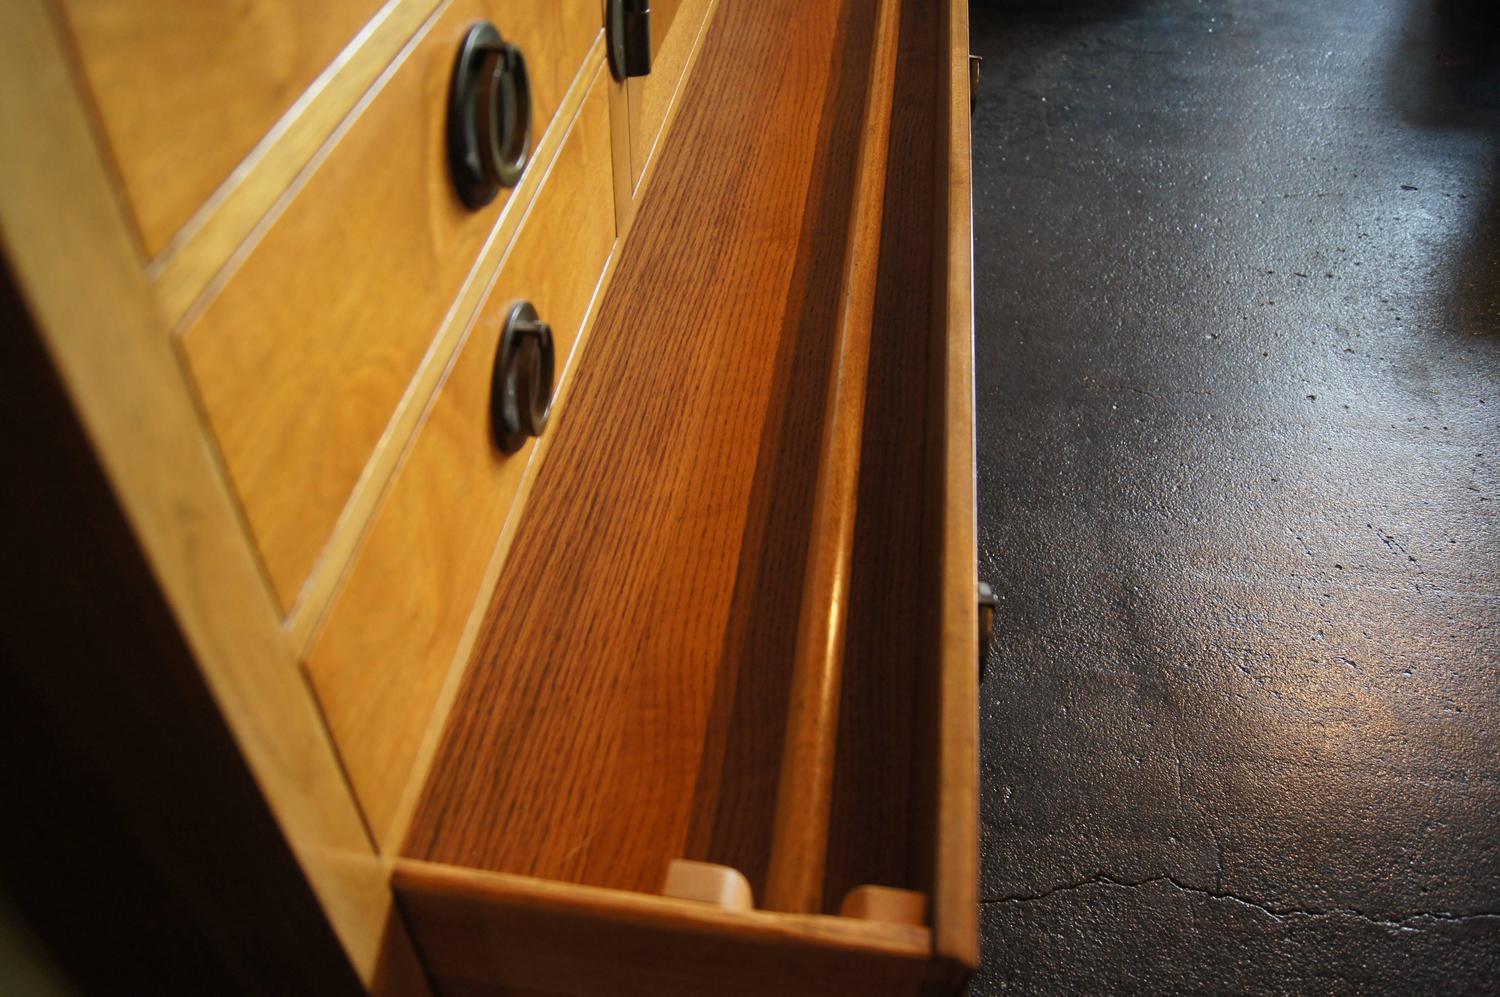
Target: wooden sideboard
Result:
[[491, 519]]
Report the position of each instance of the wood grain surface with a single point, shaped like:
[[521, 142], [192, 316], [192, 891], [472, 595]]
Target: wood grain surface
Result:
[[626, 702], [302, 356], [391, 634], [185, 265], [485, 933], [954, 723], [184, 89], [349, 530], [799, 837]]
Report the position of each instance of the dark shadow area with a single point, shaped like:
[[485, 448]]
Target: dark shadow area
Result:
[[1445, 70], [1450, 80], [1443, 76], [139, 849]]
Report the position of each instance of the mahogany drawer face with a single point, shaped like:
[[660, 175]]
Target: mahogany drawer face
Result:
[[185, 89], [303, 355], [380, 662]]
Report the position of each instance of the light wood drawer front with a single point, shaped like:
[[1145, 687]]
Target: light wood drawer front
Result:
[[302, 357], [380, 663], [663, 13], [186, 88], [675, 26]]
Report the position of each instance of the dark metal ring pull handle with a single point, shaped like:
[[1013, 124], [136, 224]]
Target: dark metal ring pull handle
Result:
[[521, 396], [489, 116], [629, 33]]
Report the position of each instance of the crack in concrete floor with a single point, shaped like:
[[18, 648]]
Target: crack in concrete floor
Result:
[[1402, 923]]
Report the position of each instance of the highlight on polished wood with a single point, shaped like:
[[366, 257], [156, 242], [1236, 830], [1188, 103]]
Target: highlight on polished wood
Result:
[[799, 835]]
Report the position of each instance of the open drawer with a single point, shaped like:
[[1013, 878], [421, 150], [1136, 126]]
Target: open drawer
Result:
[[717, 733]]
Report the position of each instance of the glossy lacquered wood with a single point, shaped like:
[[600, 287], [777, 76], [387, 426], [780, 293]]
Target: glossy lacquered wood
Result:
[[305, 351], [390, 639], [185, 89]]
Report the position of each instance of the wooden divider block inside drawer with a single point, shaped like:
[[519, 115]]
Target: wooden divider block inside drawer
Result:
[[380, 662], [303, 356]]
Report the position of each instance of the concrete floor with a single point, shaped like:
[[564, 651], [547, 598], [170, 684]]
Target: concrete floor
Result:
[[1239, 421]]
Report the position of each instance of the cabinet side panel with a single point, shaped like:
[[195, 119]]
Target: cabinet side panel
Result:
[[138, 847], [73, 263]]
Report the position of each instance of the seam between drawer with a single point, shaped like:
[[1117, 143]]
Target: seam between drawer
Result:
[[340, 549], [215, 235]]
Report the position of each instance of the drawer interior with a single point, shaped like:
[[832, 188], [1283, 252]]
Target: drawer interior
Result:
[[734, 549], [884, 776]]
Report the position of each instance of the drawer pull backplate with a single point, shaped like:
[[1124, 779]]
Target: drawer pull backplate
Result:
[[629, 31], [521, 395], [489, 116]]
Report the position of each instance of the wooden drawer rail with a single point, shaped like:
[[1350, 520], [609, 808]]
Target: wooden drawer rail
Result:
[[800, 833]]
